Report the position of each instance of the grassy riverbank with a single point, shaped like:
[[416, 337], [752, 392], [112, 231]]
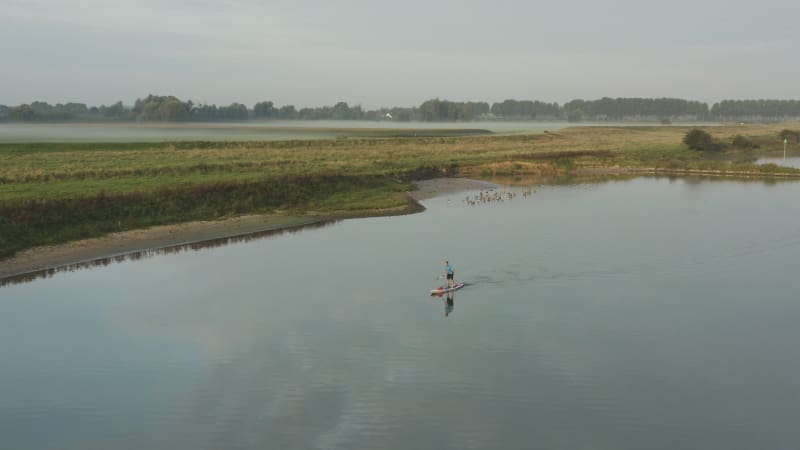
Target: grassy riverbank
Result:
[[52, 193]]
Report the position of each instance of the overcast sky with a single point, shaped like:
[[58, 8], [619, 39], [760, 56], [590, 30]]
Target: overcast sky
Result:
[[374, 53]]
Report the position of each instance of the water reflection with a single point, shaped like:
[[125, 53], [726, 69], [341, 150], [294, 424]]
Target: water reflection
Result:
[[149, 253], [791, 161], [594, 343], [449, 302]]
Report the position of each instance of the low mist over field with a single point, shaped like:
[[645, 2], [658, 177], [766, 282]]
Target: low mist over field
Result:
[[378, 54], [241, 224]]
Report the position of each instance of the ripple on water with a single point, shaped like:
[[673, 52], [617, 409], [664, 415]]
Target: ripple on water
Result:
[[577, 342]]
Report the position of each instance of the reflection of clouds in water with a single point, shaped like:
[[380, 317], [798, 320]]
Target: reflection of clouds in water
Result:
[[558, 348], [297, 380], [273, 384], [297, 408], [365, 418], [322, 375], [263, 398]]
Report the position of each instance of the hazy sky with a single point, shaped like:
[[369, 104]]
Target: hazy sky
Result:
[[314, 52]]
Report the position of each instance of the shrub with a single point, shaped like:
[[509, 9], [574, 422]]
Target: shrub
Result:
[[743, 142], [769, 168], [698, 139], [792, 136]]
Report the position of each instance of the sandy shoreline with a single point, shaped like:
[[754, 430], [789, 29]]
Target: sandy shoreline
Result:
[[134, 241], [116, 246], [431, 188]]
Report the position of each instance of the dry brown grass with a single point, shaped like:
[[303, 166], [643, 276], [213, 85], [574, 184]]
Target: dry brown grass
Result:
[[35, 174]]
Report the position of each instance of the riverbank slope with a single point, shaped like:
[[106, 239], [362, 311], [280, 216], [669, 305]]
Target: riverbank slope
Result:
[[51, 193], [198, 234]]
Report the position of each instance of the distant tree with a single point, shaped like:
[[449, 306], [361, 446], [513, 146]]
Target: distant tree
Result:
[[205, 113], [43, 110], [430, 110], [436, 110], [341, 111], [608, 108], [479, 108], [287, 112], [666, 121], [115, 111], [22, 113], [756, 109], [172, 110], [161, 108], [698, 139], [575, 115], [234, 111], [264, 110], [307, 114]]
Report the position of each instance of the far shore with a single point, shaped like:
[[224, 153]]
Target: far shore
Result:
[[87, 252]]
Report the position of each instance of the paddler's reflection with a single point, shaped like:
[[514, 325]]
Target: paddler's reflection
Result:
[[449, 303]]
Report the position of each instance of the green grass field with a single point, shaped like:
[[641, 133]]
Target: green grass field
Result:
[[51, 193]]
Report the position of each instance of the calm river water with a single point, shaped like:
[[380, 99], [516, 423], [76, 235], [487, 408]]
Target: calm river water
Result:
[[641, 314]]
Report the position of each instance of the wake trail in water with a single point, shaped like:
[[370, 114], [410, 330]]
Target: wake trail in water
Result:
[[665, 265]]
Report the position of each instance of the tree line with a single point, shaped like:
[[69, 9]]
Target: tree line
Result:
[[635, 108], [756, 109], [154, 108]]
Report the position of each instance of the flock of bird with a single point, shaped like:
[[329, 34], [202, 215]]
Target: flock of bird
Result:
[[494, 196]]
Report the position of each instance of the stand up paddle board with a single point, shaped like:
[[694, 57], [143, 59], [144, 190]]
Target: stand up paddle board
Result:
[[447, 289]]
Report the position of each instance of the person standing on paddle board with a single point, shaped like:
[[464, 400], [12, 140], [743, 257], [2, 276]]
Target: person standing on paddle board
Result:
[[450, 274]]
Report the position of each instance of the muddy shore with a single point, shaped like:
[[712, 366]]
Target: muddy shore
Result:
[[118, 245]]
